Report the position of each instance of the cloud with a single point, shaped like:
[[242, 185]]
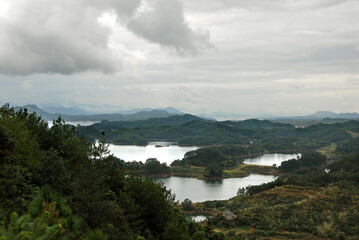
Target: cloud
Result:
[[123, 8], [66, 37], [274, 5], [165, 24], [61, 37]]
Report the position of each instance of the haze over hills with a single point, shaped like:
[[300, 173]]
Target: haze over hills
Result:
[[68, 114], [66, 110], [79, 114], [314, 116], [325, 114]]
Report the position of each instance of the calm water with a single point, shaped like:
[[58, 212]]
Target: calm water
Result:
[[196, 218], [75, 123], [142, 153], [192, 188], [270, 159], [200, 190]]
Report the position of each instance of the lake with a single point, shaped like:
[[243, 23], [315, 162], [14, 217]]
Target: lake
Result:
[[200, 190], [142, 153], [270, 159], [192, 188], [197, 218], [75, 123]]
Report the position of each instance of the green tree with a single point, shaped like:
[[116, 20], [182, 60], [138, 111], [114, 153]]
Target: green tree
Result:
[[187, 205], [213, 171]]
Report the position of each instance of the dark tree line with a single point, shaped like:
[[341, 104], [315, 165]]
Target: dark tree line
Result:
[[55, 184]]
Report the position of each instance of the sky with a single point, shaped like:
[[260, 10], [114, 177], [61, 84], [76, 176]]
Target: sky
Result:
[[280, 57]]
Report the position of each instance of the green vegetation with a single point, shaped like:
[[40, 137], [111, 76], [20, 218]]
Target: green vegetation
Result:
[[307, 160], [348, 147], [55, 184], [213, 171], [307, 202], [241, 170], [191, 130]]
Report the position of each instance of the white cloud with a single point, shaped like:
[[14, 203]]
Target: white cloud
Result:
[[61, 37], [67, 37], [165, 24]]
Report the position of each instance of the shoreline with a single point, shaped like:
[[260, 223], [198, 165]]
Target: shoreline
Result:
[[241, 171]]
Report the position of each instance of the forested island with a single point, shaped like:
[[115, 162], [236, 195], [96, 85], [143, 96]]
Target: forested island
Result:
[[56, 183]]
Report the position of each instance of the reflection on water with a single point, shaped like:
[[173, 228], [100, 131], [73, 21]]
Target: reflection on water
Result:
[[165, 154], [199, 190], [75, 123], [270, 159], [192, 188], [196, 218]]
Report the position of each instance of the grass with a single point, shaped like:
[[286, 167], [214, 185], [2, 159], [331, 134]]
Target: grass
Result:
[[354, 134], [328, 151], [187, 171], [242, 170]]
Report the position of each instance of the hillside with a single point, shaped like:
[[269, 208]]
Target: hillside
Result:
[[54, 184], [191, 130]]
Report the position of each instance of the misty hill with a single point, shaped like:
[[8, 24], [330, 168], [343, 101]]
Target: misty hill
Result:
[[137, 110], [33, 108], [119, 117], [323, 115], [197, 131], [142, 115], [328, 114], [175, 120], [314, 116], [66, 110]]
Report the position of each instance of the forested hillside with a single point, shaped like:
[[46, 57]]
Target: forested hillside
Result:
[[191, 130], [55, 184], [311, 201]]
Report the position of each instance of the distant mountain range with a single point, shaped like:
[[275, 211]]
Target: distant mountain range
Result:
[[323, 115], [66, 111], [314, 116], [78, 114]]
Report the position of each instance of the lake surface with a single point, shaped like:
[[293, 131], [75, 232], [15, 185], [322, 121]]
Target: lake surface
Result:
[[197, 218], [270, 159], [142, 153], [200, 190], [194, 189], [75, 123]]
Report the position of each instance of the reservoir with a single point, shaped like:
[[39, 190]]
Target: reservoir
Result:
[[171, 151], [270, 159], [194, 189], [201, 190], [167, 153]]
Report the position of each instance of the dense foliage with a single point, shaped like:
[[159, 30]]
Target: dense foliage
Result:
[[55, 184], [152, 167], [349, 147], [191, 130], [307, 202]]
